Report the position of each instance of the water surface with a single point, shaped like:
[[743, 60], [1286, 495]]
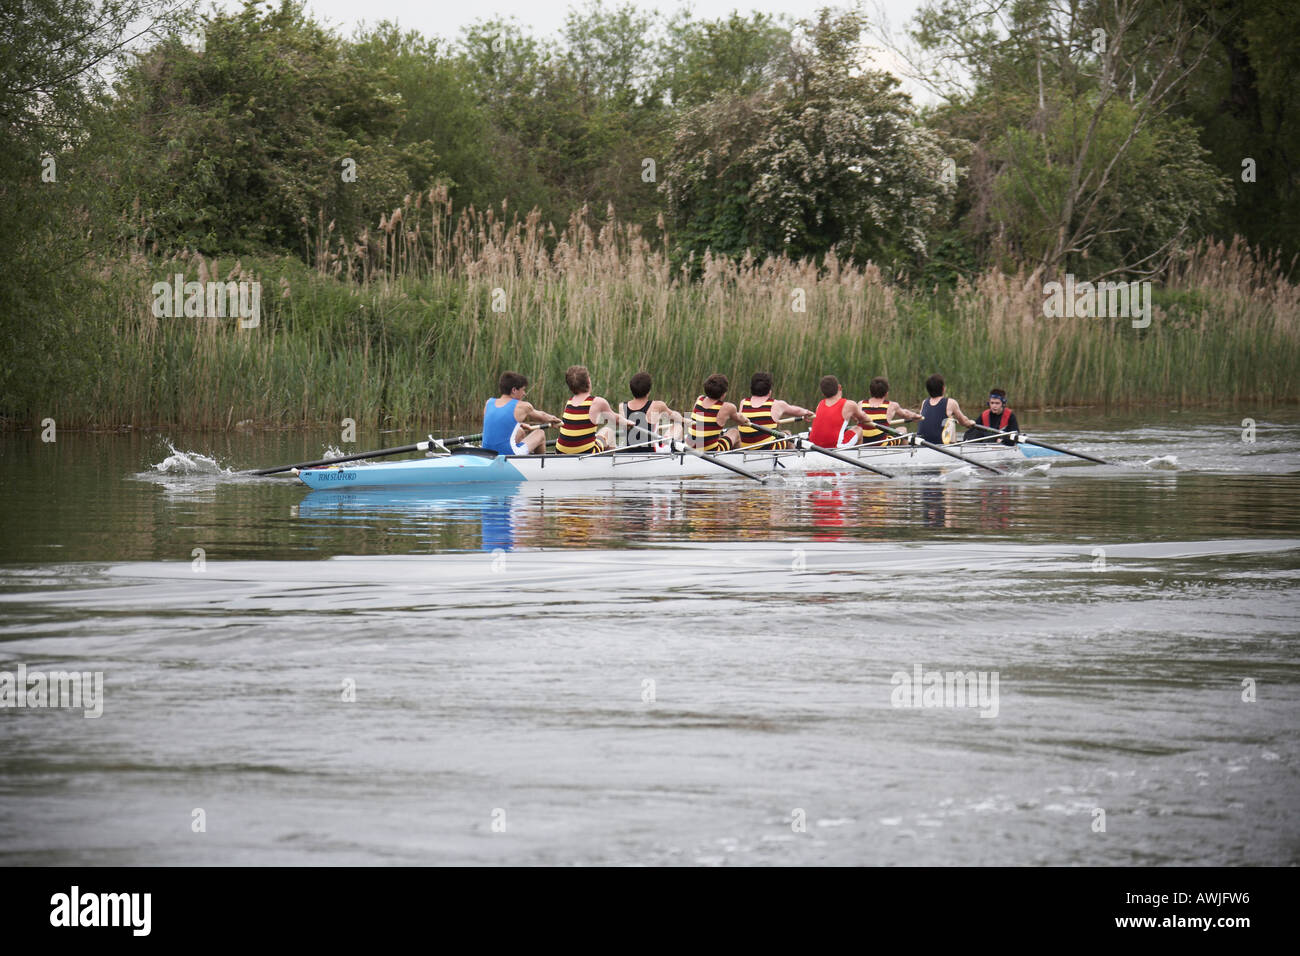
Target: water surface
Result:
[[683, 672]]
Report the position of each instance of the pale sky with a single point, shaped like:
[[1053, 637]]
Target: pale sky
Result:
[[547, 16]]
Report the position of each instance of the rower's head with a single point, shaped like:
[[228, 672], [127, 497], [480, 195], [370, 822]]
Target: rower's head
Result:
[[830, 386], [879, 388], [760, 386], [578, 379], [934, 385], [997, 400], [640, 384], [511, 382], [715, 386]]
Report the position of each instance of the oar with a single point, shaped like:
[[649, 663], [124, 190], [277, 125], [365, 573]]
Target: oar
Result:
[[677, 446], [378, 453], [825, 451], [1020, 438], [939, 448]]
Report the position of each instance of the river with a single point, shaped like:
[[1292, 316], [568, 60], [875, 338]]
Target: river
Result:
[[700, 672]]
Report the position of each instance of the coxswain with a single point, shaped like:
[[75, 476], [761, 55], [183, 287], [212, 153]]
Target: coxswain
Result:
[[997, 416]]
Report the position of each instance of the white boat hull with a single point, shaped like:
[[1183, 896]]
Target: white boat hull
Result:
[[644, 466]]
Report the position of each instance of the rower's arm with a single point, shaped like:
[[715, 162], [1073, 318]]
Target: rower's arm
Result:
[[853, 412], [732, 414], [955, 411], [896, 410], [603, 414], [783, 409], [660, 409], [524, 412]]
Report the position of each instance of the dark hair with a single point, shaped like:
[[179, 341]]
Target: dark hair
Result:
[[760, 384], [577, 378], [716, 385], [999, 393], [934, 385], [879, 388], [509, 381], [640, 384], [830, 385]]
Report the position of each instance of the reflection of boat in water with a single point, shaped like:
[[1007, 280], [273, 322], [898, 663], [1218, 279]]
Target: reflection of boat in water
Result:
[[606, 513], [476, 466], [492, 505], [504, 511]]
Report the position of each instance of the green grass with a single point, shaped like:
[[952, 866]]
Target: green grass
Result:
[[424, 349]]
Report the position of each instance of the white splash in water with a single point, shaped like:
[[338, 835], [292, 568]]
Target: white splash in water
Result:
[[1163, 463], [189, 463]]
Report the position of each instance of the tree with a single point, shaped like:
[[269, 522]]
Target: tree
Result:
[[829, 158], [1073, 100], [54, 57], [1244, 101], [231, 147], [736, 56]]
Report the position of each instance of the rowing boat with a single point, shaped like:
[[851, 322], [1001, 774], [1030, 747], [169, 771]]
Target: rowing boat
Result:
[[476, 465]]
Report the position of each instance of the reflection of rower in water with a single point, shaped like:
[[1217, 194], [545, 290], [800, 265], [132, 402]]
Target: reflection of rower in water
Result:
[[497, 523], [503, 416], [997, 416], [761, 409], [645, 414], [936, 409], [882, 411]]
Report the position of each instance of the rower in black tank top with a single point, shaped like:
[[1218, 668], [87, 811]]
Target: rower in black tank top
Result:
[[932, 416], [639, 417]]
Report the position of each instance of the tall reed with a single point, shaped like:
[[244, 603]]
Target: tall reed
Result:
[[410, 325]]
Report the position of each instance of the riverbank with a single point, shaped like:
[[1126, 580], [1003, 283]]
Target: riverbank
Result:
[[391, 338]]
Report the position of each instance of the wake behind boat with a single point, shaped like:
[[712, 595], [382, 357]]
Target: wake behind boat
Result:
[[476, 465]]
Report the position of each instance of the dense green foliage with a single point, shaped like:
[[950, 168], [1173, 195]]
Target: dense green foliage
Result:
[[1105, 139]]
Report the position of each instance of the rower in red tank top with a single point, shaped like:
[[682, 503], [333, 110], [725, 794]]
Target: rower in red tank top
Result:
[[837, 421]]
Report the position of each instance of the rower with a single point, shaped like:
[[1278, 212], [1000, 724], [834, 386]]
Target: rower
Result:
[[882, 411], [583, 429], [761, 409], [837, 421], [503, 416], [644, 413], [712, 414], [997, 416], [937, 408]]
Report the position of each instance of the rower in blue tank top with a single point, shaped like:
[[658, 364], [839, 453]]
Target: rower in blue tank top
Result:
[[937, 408], [502, 417]]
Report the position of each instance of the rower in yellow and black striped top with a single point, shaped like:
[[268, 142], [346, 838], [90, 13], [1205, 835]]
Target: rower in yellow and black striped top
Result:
[[711, 415], [581, 428], [761, 409], [880, 409]]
